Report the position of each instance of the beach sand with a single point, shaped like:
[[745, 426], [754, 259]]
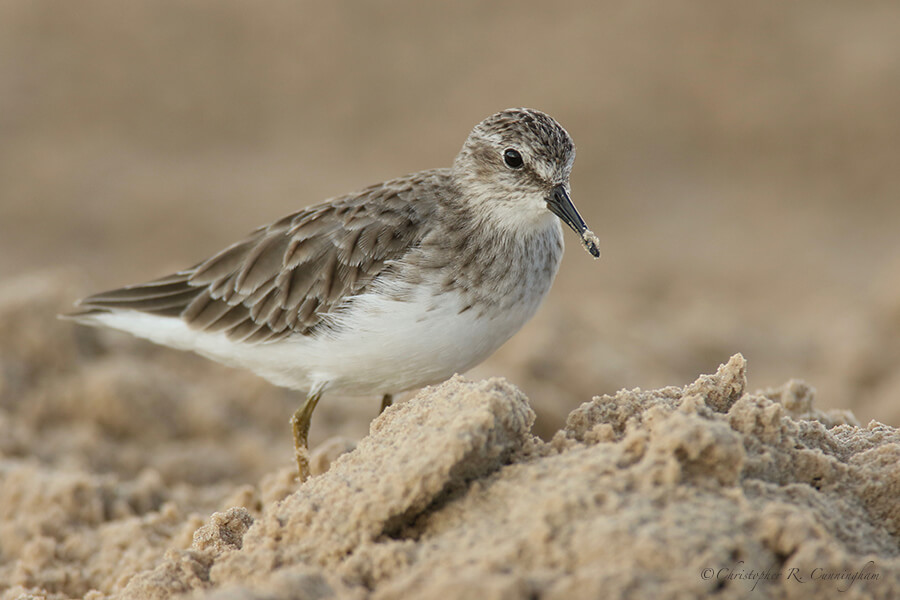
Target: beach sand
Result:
[[738, 163], [130, 475]]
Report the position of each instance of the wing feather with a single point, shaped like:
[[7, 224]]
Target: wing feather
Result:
[[285, 278]]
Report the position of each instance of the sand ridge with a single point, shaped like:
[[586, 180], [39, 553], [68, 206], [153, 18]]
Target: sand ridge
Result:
[[667, 493]]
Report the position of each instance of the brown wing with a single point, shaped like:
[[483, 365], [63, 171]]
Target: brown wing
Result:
[[284, 278]]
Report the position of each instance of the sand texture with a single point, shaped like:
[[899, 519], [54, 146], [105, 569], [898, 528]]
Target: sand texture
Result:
[[738, 161], [122, 479]]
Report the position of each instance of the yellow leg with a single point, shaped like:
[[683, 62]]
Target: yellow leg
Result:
[[300, 424], [386, 401]]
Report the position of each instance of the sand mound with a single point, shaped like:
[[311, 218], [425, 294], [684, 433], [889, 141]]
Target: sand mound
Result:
[[679, 492]]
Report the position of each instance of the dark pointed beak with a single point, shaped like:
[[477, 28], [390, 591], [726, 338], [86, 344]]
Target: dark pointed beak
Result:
[[561, 205]]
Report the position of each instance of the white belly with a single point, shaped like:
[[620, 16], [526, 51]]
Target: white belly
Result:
[[382, 345], [388, 346]]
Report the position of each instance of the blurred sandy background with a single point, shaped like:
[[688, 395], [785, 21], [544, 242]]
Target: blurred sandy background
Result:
[[739, 161]]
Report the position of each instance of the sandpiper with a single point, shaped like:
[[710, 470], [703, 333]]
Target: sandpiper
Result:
[[387, 289]]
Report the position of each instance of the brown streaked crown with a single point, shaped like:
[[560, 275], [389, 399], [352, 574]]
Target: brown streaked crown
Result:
[[546, 146]]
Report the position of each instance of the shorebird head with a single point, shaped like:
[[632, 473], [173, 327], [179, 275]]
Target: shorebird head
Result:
[[517, 163]]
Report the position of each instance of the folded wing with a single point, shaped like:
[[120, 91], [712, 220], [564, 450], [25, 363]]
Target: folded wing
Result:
[[287, 277]]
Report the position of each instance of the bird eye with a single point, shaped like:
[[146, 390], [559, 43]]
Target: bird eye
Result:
[[513, 159]]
